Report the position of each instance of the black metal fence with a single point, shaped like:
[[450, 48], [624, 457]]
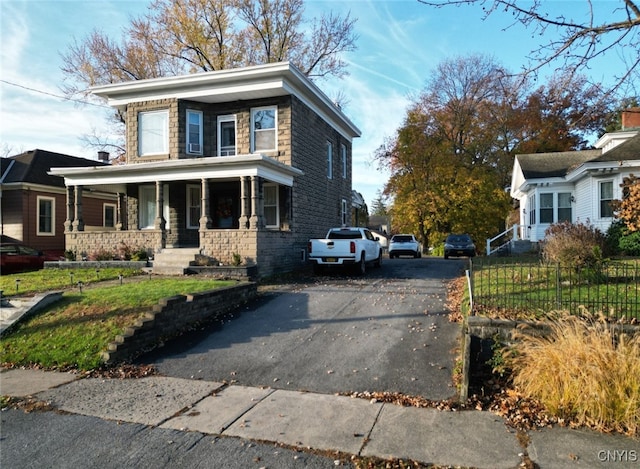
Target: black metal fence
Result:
[[609, 289]]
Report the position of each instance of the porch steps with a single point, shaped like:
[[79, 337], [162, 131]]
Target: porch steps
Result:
[[521, 246], [174, 261]]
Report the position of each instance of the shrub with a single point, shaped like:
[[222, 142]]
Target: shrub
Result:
[[573, 244], [101, 254], [630, 243], [582, 372], [236, 259]]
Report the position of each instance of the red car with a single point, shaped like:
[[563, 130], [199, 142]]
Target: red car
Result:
[[16, 257]]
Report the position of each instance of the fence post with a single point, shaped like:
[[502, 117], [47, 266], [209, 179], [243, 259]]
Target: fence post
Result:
[[558, 292], [470, 286]]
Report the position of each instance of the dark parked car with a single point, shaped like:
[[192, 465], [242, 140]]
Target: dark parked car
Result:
[[404, 245], [459, 245], [16, 257]]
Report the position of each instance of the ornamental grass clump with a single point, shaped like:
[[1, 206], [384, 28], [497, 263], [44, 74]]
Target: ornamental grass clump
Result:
[[583, 374]]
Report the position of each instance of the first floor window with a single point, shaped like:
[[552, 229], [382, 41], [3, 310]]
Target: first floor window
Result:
[[546, 208], [147, 205], [271, 206], [345, 213], [532, 210], [606, 197], [153, 132], [109, 215], [193, 206], [46, 215], [264, 129], [194, 132]]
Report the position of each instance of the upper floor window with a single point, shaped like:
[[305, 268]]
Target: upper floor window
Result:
[[194, 132], [46, 215], [264, 129], [329, 160], [226, 135], [343, 156], [271, 206], [606, 197], [153, 133], [109, 215]]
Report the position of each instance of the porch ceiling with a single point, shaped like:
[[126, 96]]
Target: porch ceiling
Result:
[[225, 167]]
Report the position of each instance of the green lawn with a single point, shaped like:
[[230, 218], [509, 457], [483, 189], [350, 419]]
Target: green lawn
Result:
[[533, 288], [72, 332]]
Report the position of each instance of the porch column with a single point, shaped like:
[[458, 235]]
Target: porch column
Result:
[[205, 219], [159, 223], [244, 201], [69, 219], [119, 211], [257, 209], [78, 222]]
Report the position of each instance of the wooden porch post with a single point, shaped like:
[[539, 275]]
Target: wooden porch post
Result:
[[244, 200], [205, 218], [69, 219], [160, 223], [120, 211], [78, 222], [257, 209]]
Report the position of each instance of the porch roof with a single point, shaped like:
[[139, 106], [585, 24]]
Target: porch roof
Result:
[[217, 167]]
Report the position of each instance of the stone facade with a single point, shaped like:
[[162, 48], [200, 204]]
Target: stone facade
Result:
[[316, 198]]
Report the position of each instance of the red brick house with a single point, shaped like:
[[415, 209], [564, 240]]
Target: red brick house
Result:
[[247, 163], [33, 202]]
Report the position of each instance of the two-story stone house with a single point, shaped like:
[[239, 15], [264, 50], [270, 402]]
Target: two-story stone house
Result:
[[247, 163]]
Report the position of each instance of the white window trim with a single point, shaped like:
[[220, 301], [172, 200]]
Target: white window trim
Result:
[[200, 132], [193, 224], [275, 129], [276, 205], [165, 136], [53, 216], [343, 154], [329, 160], [104, 215], [228, 118]]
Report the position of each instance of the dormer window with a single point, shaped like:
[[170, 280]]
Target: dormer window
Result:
[[263, 129], [153, 133], [194, 132]]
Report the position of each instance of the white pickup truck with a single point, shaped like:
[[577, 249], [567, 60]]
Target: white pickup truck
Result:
[[346, 247]]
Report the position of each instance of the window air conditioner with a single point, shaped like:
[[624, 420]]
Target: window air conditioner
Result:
[[194, 148]]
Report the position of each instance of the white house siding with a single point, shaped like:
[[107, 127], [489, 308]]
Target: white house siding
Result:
[[584, 201]]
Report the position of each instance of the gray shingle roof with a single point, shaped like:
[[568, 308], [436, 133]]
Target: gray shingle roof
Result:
[[557, 164], [33, 166]]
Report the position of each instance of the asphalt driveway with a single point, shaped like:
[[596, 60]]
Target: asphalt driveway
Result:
[[386, 331]]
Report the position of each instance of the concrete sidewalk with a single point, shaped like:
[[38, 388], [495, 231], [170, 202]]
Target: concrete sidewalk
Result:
[[320, 421]]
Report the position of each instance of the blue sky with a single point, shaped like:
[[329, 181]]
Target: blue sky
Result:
[[400, 43]]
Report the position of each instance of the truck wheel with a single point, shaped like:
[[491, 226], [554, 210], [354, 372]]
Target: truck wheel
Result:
[[362, 265], [317, 269]]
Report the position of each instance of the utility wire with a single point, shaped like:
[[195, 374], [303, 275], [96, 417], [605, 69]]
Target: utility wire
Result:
[[55, 95]]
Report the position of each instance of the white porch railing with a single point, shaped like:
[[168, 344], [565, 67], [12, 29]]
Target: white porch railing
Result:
[[504, 238]]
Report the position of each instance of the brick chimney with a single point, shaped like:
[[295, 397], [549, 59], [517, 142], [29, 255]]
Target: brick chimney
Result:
[[631, 118], [104, 155]]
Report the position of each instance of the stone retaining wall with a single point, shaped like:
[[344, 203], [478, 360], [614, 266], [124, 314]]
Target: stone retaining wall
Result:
[[173, 315], [480, 333]]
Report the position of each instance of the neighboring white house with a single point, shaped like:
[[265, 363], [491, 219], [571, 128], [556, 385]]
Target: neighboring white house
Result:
[[576, 186]]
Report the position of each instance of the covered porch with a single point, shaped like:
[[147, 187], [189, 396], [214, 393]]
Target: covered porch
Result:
[[219, 205]]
